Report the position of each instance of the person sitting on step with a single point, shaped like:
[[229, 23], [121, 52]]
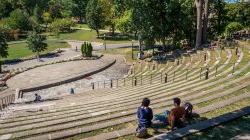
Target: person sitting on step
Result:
[[145, 114], [176, 116], [38, 98]]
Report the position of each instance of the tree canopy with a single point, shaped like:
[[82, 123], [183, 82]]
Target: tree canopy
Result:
[[36, 43]]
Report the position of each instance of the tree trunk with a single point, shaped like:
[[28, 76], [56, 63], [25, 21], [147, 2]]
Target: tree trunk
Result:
[[205, 22], [80, 18], [113, 30], [135, 34], [219, 17], [97, 32], [199, 4], [38, 56]]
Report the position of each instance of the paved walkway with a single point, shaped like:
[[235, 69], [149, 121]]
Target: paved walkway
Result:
[[67, 53], [98, 45]]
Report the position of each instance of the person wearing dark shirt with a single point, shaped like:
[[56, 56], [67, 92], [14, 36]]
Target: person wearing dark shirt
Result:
[[37, 98], [145, 114], [176, 117]]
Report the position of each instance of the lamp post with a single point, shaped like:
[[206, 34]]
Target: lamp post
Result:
[[132, 49], [139, 41], [105, 41]]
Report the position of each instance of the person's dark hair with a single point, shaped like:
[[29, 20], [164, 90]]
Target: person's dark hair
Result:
[[36, 94], [145, 102], [177, 101]]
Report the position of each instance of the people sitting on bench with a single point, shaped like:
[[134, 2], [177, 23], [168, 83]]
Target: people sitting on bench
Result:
[[176, 116], [38, 98]]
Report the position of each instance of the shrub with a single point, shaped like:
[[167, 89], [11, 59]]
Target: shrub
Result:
[[86, 49], [19, 20], [61, 25], [232, 27]]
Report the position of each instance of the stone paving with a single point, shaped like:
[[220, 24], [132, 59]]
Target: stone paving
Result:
[[118, 70], [56, 72]]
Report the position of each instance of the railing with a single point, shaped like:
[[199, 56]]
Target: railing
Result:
[[6, 98]]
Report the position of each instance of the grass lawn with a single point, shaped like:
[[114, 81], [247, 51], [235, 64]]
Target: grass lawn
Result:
[[85, 35], [82, 26], [21, 50]]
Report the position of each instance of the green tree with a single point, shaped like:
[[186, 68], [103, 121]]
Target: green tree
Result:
[[3, 48], [46, 18], [67, 8], [124, 22], [55, 8], [37, 13], [36, 43], [61, 25], [19, 20], [233, 27], [79, 9], [5, 8], [110, 14], [95, 16]]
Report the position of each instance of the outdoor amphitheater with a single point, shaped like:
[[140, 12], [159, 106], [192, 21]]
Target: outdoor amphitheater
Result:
[[216, 81]]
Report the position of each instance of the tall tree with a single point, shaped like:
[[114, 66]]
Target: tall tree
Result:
[[205, 21], [55, 8], [36, 43], [95, 16], [19, 20], [5, 8], [199, 7], [79, 9], [3, 48]]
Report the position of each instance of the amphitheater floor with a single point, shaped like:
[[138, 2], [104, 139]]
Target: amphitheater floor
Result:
[[55, 72]]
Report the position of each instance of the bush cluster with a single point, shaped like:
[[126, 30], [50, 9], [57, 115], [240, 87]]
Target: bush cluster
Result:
[[61, 25], [86, 49]]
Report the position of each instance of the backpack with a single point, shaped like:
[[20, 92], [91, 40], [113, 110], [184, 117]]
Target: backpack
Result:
[[141, 132], [188, 109]]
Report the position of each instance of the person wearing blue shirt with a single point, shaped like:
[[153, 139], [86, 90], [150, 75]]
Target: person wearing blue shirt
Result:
[[145, 114]]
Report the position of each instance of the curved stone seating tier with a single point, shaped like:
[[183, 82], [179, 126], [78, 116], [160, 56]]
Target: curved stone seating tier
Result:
[[100, 125], [167, 103], [177, 134], [131, 91], [112, 107], [138, 88], [169, 70], [207, 62], [148, 68]]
